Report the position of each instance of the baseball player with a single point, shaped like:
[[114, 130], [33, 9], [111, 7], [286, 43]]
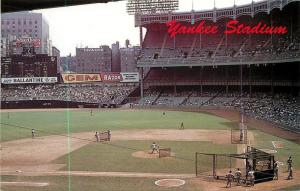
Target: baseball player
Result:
[[238, 175], [32, 133], [251, 177], [289, 162], [109, 134], [229, 178], [154, 147], [249, 167], [181, 126], [241, 135], [97, 136], [290, 174]]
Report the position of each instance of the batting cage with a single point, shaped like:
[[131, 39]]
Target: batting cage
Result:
[[166, 152], [239, 134], [104, 136], [218, 165]]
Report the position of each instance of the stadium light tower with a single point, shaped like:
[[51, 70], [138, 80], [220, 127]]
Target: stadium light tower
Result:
[[146, 7]]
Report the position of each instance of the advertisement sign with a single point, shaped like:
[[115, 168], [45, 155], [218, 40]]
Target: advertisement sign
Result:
[[36, 42], [29, 80], [130, 76], [81, 78], [111, 77], [5, 60]]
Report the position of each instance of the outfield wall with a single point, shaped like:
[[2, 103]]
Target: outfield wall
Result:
[[27, 104]]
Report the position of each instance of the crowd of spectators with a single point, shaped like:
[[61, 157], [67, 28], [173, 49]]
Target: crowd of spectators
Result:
[[223, 51], [281, 109], [87, 93]]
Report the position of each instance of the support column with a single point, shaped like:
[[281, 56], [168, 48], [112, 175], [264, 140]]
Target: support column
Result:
[[214, 166], [201, 82], [241, 94], [201, 90], [141, 36], [174, 82], [250, 81], [226, 78], [272, 81], [175, 90], [142, 82]]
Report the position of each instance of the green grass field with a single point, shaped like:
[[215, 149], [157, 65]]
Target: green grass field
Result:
[[82, 121], [264, 141], [116, 156]]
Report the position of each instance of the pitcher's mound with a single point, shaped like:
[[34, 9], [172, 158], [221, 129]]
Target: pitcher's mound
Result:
[[169, 182], [144, 154]]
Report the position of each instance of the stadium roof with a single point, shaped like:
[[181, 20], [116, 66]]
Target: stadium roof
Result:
[[28, 5]]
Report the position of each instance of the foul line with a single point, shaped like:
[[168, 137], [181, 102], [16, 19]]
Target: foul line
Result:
[[99, 174]]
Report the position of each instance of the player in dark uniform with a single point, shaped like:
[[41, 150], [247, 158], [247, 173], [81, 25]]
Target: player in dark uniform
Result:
[[290, 168], [290, 174], [97, 136], [181, 126], [109, 134], [289, 162]]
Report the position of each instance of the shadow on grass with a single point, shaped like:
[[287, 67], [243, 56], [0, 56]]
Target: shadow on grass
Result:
[[292, 188]]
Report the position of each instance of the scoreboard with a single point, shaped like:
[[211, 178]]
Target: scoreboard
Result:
[[36, 65]]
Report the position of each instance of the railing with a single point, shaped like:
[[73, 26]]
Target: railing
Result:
[[220, 60], [213, 14]]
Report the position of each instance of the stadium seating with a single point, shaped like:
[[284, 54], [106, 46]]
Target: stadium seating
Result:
[[78, 93], [160, 48]]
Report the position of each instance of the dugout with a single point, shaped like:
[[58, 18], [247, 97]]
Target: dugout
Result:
[[218, 165]]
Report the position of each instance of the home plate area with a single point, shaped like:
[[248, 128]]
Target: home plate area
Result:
[[169, 182]]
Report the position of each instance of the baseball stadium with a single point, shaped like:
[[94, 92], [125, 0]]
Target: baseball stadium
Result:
[[201, 106]]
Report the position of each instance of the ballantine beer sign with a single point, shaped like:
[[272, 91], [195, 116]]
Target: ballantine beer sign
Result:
[[232, 27]]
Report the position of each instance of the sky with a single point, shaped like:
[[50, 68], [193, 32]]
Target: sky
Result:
[[105, 23]]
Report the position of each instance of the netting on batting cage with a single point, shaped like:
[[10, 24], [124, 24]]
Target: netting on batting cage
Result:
[[218, 165], [104, 136], [262, 163], [239, 134], [166, 152]]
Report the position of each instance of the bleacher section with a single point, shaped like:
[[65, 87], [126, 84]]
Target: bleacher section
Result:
[[85, 93], [283, 109]]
